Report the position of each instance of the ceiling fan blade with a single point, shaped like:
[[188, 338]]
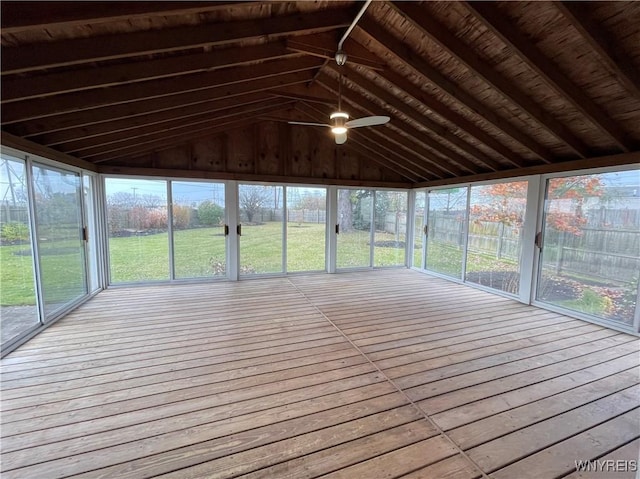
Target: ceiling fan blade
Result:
[[306, 123], [367, 121], [340, 138]]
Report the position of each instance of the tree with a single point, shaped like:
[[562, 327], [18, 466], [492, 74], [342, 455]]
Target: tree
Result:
[[252, 199], [345, 211], [565, 201], [210, 213], [506, 202], [501, 203]]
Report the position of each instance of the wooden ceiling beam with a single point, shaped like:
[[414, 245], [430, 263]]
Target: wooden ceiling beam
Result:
[[425, 122], [415, 157], [602, 43], [89, 132], [324, 45], [367, 151], [632, 159], [437, 32], [307, 93], [19, 87], [175, 135], [421, 141], [106, 47], [20, 16], [169, 143], [83, 145], [85, 100], [118, 116], [503, 28], [460, 122], [379, 152], [405, 54]]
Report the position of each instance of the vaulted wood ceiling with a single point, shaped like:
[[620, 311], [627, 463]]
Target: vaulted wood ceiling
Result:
[[473, 90]]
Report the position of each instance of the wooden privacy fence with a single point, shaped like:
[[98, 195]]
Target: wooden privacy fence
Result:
[[603, 254]]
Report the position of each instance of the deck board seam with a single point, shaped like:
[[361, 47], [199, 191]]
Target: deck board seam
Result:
[[395, 386]]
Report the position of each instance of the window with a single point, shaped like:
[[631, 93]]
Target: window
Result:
[[494, 242], [446, 231], [137, 229], [18, 306], [199, 242], [590, 256]]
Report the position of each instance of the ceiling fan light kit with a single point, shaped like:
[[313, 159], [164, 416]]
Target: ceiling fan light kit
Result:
[[339, 119]]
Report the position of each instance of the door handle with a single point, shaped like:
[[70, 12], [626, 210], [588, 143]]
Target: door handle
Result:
[[239, 230]]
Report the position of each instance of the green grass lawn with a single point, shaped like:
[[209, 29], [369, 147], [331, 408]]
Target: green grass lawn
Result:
[[62, 267]]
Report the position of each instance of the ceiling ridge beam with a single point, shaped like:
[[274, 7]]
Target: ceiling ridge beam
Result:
[[107, 47], [17, 88], [459, 50], [425, 122], [73, 102], [125, 111], [504, 29], [83, 144], [405, 54], [616, 60], [417, 137], [400, 161]]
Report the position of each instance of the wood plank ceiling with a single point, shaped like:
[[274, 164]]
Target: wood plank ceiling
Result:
[[473, 89]]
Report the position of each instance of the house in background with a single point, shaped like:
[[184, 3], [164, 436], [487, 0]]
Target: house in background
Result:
[[477, 191]]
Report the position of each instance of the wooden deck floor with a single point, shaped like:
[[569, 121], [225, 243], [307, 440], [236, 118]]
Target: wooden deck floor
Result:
[[370, 375]]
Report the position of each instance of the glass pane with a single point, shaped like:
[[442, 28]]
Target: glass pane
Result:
[[354, 217], [92, 243], [261, 216], [591, 244], [418, 229], [445, 240], [18, 310], [390, 221], [137, 223], [496, 215], [306, 219], [199, 243], [59, 235]]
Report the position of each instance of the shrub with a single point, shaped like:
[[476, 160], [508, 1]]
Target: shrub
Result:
[[14, 232]]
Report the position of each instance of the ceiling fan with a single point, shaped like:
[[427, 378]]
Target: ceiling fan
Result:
[[339, 120]]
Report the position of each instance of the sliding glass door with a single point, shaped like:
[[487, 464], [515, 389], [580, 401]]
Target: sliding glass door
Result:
[[18, 304], [372, 226], [494, 242], [590, 245], [446, 223], [199, 242], [262, 233], [306, 230], [60, 237], [355, 215], [137, 228]]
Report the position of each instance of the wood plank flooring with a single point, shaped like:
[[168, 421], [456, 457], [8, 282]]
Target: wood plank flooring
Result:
[[381, 374]]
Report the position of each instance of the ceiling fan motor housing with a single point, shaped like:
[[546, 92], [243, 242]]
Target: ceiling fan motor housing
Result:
[[338, 119]]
